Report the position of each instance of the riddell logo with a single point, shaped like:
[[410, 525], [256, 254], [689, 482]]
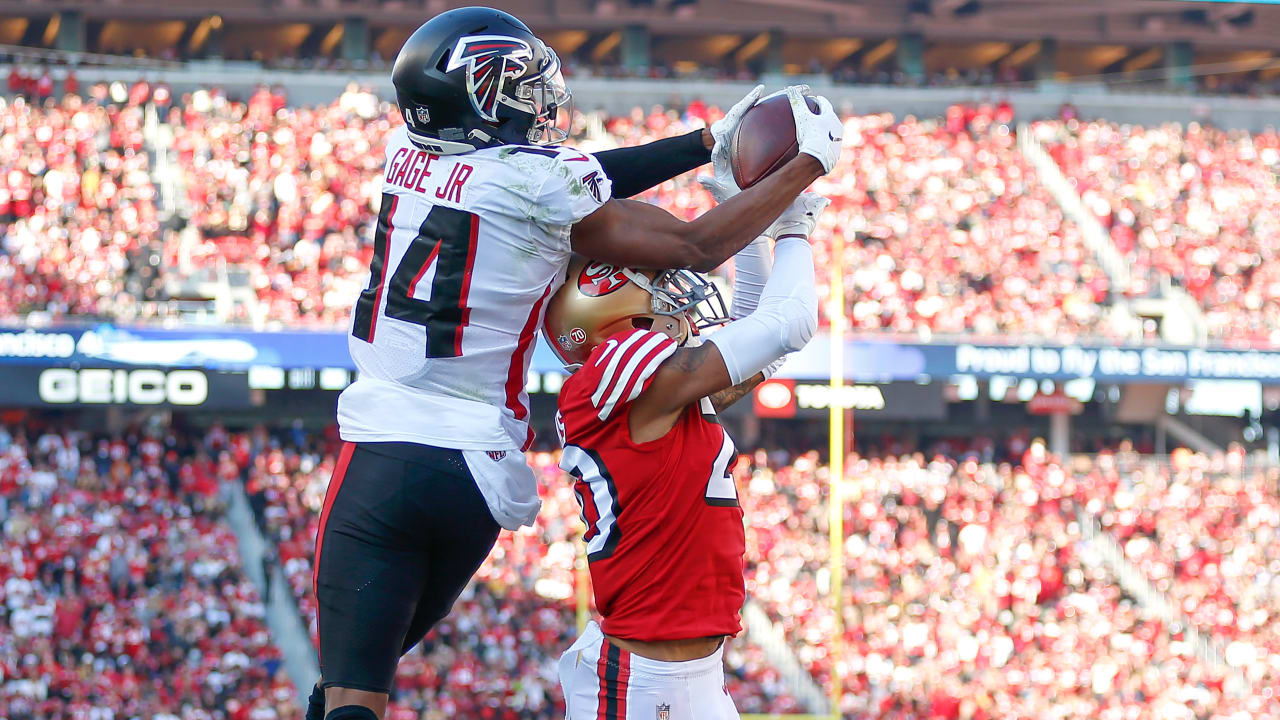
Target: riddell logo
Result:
[[598, 279]]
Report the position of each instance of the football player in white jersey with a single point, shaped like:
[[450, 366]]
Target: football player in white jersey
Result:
[[480, 213]]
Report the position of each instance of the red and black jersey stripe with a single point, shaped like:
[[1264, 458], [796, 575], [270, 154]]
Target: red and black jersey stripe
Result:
[[614, 669]]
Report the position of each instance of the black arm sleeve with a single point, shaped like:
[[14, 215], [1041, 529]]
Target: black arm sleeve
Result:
[[636, 169]]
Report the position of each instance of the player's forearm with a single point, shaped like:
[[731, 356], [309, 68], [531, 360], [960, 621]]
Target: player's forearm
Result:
[[727, 228], [785, 321], [727, 397], [751, 268], [636, 169]]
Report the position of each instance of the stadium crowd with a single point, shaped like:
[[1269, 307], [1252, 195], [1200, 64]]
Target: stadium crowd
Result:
[[496, 652], [287, 193], [968, 590], [947, 229], [78, 216], [970, 594], [1191, 203], [1206, 531], [121, 591]]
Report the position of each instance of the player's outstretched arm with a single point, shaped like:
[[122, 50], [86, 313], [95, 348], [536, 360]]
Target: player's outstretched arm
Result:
[[784, 321], [634, 170], [639, 235]]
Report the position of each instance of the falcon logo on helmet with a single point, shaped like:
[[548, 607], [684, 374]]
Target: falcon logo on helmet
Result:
[[489, 60]]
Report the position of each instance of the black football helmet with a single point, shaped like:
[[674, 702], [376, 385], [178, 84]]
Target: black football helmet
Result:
[[477, 77]]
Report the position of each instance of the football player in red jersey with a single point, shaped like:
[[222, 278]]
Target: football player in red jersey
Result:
[[480, 213], [665, 536]]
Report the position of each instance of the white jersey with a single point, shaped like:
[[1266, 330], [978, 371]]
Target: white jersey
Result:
[[467, 251]]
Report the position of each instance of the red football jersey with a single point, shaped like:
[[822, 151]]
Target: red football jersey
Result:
[[665, 537]]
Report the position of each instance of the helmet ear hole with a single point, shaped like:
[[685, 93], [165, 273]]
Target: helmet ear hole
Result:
[[642, 323]]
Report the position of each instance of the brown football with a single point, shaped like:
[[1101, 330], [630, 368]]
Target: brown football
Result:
[[765, 140]]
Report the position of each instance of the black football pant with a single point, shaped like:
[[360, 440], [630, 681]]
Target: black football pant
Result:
[[403, 529]]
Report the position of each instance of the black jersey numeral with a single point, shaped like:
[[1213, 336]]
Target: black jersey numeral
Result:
[[446, 240], [365, 320], [598, 497]]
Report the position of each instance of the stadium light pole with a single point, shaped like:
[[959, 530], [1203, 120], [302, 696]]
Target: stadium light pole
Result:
[[581, 578], [835, 479]]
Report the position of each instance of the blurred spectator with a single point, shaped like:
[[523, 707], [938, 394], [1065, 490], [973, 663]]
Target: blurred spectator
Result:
[[1193, 204], [121, 594], [78, 219], [946, 228], [499, 646]]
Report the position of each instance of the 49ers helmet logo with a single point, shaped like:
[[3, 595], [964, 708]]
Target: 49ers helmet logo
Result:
[[489, 60], [598, 279]]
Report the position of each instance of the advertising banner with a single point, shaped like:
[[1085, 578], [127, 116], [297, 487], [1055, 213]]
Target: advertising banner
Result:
[[867, 359], [185, 388]]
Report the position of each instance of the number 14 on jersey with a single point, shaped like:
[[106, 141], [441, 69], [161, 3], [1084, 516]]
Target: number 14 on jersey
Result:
[[446, 243]]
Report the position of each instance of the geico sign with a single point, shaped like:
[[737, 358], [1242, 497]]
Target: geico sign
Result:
[[857, 397], [136, 387]]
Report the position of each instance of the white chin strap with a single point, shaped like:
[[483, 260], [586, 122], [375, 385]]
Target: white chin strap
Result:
[[643, 283]]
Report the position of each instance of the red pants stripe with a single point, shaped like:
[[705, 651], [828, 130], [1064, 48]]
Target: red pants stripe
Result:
[[614, 669], [335, 484]]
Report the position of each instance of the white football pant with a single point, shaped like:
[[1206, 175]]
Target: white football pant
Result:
[[601, 681]]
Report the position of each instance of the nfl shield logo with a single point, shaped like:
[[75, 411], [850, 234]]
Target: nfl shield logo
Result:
[[424, 115], [496, 455], [664, 712]]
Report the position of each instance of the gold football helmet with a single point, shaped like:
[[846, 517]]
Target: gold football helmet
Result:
[[599, 300]]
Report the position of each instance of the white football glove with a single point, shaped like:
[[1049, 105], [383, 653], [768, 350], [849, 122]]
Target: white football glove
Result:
[[720, 191], [722, 131], [800, 218], [802, 89], [818, 134], [772, 368]]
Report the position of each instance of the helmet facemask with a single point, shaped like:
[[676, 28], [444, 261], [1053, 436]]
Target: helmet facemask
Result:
[[685, 295], [599, 300], [548, 99]]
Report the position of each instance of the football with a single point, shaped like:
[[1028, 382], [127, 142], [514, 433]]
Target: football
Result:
[[765, 140]]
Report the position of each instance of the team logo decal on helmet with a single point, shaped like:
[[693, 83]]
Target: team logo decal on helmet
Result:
[[489, 59], [598, 279]]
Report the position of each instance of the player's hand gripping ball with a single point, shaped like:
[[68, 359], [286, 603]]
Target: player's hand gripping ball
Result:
[[765, 139]]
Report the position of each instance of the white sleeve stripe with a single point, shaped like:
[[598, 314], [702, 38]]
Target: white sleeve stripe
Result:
[[628, 375], [649, 370], [630, 359], [607, 377]]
